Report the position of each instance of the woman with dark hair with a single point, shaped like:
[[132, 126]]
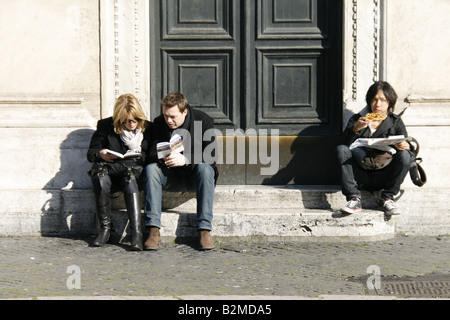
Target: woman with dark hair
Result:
[[355, 171], [126, 132]]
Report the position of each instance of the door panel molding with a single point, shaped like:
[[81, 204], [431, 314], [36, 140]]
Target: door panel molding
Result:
[[204, 77], [252, 64], [195, 49], [287, 87], [197, 19], [294, 81], [297, 19]]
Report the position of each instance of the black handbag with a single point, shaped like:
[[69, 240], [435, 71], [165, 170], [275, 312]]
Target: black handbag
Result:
[[416, 172], [119, 168], [376, 159]]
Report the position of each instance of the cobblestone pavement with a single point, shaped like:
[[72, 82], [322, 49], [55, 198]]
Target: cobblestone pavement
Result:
[[70, 268]]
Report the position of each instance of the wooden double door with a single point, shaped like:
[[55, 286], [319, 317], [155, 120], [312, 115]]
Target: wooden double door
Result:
[[251, 64]]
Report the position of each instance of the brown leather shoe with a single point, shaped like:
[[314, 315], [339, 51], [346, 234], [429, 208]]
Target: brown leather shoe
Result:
[[153, 239], [206, 240]]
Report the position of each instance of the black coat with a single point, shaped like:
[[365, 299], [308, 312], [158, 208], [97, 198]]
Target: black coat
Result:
[[106, 138], [195, 147], [392, 126]]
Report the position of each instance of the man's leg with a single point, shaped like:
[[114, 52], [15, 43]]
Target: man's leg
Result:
[[204, 179], [347, 167], [157, 179], [397, 171], [154, 180], [346, 173]]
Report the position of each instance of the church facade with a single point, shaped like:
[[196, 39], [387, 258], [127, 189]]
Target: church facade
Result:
[[289, 73]]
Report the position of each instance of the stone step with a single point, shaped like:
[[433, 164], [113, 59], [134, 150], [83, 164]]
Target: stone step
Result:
[[298, 213], [271, 225], [261, 197], [271, 212]]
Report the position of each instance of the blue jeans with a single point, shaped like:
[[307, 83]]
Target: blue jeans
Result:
[[200, 179], [388, 180]]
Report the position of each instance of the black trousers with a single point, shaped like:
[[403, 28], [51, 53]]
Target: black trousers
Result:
[[355, 178], [114, 177], [107, 184]]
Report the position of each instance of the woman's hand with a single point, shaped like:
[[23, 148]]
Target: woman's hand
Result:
[[107, 156]]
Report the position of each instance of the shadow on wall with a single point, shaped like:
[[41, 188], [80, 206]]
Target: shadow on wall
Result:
[[309, 159], [70, 210]]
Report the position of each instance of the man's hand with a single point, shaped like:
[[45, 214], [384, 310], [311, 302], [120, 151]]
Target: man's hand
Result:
[[175, 160], [402, 146], [361, 124]]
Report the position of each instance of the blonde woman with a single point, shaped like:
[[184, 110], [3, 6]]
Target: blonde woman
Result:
[[126, 132]]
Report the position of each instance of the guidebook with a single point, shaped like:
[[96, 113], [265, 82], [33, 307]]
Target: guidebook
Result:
[[166, 148], [129, 154], [379, 143]]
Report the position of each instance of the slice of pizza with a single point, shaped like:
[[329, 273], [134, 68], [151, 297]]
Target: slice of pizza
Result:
[[375, 116]]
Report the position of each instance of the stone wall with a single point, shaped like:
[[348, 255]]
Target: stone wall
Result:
[[49, 91], [418, 66], [65, 62]]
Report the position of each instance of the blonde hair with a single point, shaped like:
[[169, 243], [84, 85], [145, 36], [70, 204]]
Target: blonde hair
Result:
[[127, 105]]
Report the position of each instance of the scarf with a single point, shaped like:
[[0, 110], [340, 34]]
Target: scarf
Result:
[[133, 139]]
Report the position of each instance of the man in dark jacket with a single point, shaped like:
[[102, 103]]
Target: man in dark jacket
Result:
[[354, 172], [194, 169]]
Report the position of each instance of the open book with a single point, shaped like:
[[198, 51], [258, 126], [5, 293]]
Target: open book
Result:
[[379, 143], [166, 148], [129, 154]]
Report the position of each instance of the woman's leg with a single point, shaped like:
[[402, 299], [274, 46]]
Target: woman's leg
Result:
[[102, 192], [133, 204]]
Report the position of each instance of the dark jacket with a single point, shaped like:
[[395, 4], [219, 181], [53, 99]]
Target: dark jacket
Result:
[[392, 126], [197, 123], [106, 138]]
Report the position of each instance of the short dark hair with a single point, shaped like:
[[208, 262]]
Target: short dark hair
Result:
[[388, 91], [173, 99]]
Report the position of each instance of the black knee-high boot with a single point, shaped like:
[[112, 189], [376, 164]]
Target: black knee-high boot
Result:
[[132, 201], [103, 204]]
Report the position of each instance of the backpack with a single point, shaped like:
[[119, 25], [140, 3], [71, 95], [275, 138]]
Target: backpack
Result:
[[416, 172]]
